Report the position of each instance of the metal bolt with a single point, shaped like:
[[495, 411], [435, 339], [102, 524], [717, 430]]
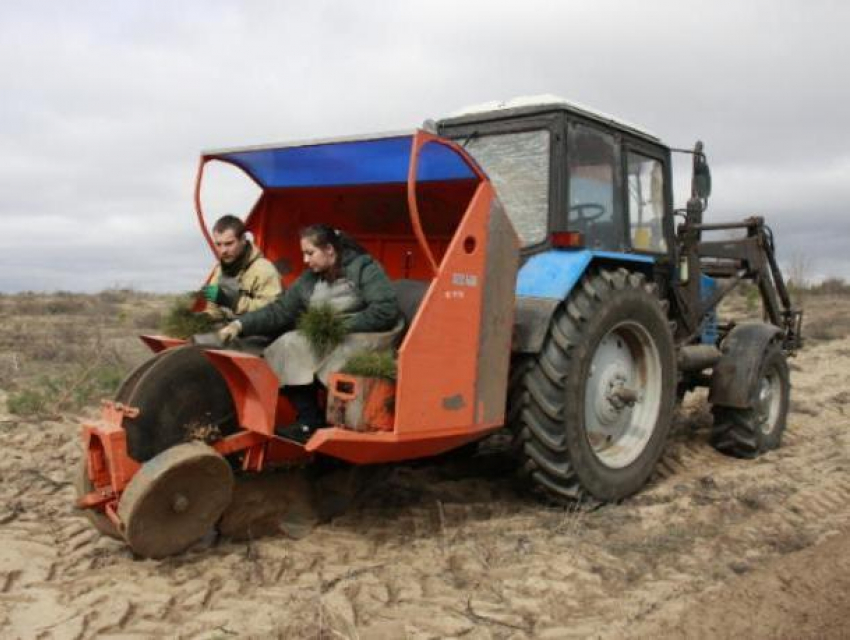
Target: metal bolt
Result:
[[179, 503]]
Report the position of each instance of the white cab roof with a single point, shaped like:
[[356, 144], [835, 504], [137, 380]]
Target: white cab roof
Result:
[[541, 103]]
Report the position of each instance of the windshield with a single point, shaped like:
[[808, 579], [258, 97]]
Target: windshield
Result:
[[518, 166]]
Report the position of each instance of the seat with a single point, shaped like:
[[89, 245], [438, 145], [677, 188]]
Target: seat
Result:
[[409, 294]]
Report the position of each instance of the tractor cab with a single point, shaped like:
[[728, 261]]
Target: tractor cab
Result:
[[571, 176]]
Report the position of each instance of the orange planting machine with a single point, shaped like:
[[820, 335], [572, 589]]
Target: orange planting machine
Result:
[[159, 463]]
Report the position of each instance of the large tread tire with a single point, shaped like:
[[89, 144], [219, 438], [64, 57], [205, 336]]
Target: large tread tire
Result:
[[548, 392], [748, 433]]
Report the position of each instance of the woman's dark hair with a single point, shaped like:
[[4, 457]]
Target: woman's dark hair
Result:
[[322, 235]]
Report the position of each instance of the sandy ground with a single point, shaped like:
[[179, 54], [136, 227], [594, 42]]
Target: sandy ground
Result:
[[713, 547]]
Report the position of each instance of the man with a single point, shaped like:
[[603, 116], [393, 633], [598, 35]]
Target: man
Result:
[[243, 280]]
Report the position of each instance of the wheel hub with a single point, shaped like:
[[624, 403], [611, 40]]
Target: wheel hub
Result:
[[609, 405], [767, 402], [622, 394], [179, 503]]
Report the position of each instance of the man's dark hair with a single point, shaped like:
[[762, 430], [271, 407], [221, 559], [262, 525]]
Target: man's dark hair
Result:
[[230, 222]]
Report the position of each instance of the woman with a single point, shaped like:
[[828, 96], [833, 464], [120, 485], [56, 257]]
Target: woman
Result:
[[341, 274]]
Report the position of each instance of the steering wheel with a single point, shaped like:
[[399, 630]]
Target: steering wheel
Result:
[[587, 211]]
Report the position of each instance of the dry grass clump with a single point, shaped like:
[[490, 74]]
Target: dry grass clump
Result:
[[119, 295], [148, 320], [52, 395], [10, 366], [372, 364], [831, 327], [323, 327], [60, 352], [181, 322], [109, 303], [830, 287], [94, 375]]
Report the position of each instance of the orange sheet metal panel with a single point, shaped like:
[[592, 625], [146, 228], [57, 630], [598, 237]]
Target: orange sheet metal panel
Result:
[[109, 465], [161, 343], [253, 386], [380, 446], [439, 356]]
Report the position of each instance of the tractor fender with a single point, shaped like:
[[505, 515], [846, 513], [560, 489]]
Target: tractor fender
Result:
[[546, 279], [734, 380]]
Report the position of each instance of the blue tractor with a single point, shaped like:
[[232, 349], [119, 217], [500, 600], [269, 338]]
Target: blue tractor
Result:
[[617, 294]]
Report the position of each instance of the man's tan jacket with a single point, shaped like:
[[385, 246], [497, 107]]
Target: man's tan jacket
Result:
[[259, 284]]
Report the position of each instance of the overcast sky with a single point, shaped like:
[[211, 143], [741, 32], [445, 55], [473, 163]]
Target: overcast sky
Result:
[[105, 106]]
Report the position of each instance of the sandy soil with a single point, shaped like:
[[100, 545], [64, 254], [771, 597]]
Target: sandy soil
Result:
[[713, 547]]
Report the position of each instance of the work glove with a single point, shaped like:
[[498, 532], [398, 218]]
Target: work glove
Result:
[[230, 332], [212, 292]]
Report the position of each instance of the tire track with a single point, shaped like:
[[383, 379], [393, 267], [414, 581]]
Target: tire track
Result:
[[434, 537]]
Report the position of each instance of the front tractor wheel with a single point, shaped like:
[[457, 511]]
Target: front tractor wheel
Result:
[[749, 432], [592, 411]]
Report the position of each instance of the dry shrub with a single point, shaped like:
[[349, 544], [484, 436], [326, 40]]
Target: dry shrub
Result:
[[49, 349], [56, 304], [827, 328], [148, 320], [97, 370], [118, 296], [27, 305], [831, 287], [64, 306], [51, 395], [10, 367], [58, 342]]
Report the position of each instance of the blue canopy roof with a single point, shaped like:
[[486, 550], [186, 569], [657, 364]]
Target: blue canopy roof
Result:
[[351, 162]]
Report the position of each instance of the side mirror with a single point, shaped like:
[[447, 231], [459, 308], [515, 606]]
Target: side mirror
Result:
[[701, 177]]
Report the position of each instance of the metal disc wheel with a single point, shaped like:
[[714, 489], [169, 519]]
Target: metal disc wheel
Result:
[[174, 499], [179, 393], [749, 432], [590, 412], [83, 486], [128, 384], [623, 394]]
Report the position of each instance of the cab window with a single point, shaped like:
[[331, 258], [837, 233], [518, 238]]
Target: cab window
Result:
[[645, 180], [518, 165], [592, 160]]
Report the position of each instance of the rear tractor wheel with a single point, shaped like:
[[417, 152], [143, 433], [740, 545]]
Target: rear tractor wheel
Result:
[[747, 433], [592, 410]]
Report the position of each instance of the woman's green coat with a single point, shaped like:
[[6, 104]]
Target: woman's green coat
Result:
[[380, 311]]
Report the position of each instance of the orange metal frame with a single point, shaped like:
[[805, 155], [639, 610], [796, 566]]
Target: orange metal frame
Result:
[[436, 405]]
